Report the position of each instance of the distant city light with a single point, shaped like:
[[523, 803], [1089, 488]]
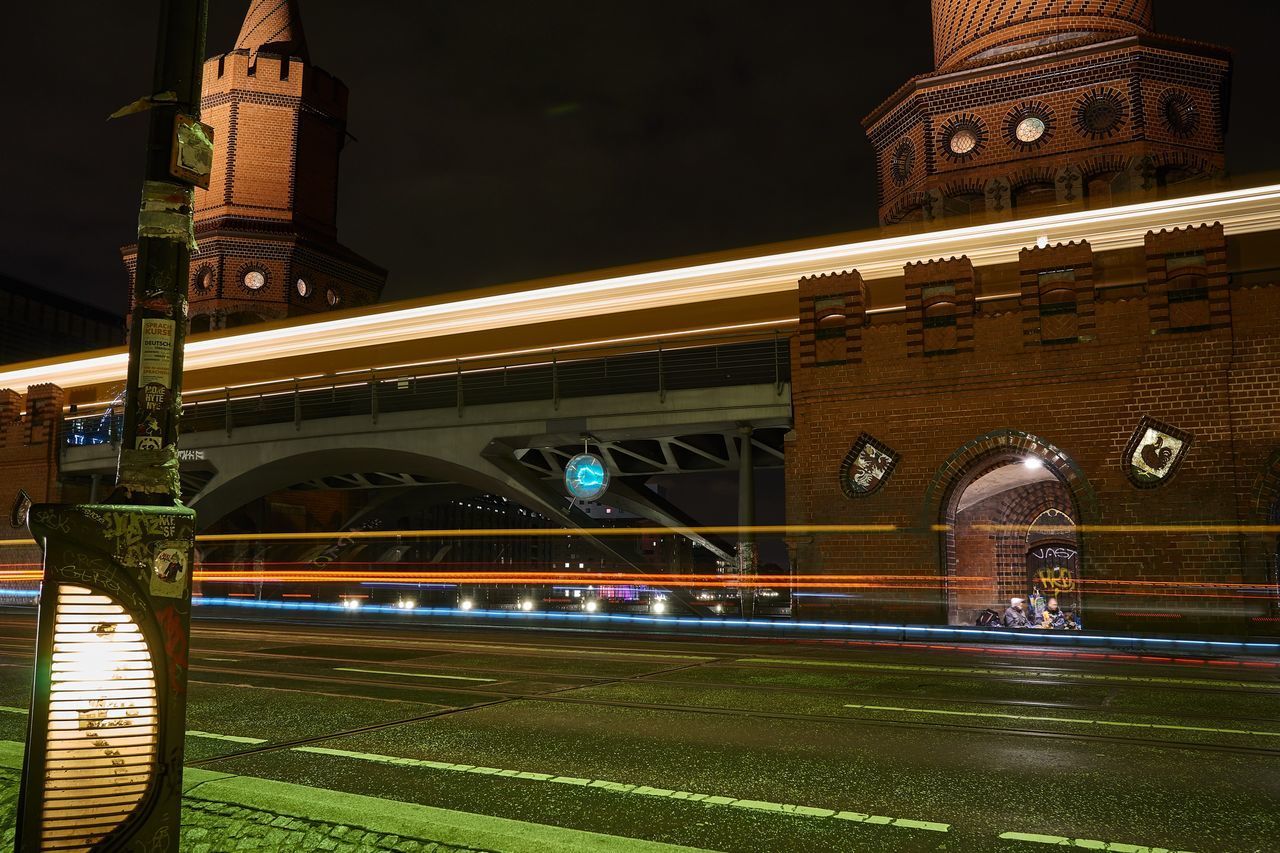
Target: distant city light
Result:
[[465, 604], [351, 603], [591, 605], [659, 606], [526, 605]]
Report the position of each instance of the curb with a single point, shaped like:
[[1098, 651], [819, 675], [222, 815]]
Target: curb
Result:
[[411, 820]]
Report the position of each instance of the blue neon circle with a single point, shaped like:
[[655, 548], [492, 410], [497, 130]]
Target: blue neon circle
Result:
[[585, 477]]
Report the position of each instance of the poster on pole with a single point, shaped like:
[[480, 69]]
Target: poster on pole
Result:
[[155, 381]]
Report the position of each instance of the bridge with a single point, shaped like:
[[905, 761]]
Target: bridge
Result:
[[494, 429], [659, 367]]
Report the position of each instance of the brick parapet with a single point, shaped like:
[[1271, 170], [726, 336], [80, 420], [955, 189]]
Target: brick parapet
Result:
[[1220, 383]]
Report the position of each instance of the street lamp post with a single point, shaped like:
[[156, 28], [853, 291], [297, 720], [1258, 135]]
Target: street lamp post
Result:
[[103, 764]]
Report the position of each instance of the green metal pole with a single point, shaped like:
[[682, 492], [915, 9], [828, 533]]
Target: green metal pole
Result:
[[104, 753]]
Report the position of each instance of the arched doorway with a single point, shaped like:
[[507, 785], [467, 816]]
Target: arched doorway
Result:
[[1008, 511], [1053, 558]]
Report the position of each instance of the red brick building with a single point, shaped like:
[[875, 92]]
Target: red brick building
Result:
[[267, 226], [1047, 102], [1025, 424]]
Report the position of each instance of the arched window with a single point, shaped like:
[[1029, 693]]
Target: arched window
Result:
[[1170, 176], [829, 333], [243, 318], [1188, 290], [1036, 194], [971, 205], [1101, 189], [940, 328]]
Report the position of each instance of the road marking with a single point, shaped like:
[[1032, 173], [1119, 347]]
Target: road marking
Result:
[[549, 650], [212, 735], [993, 715], [412, 674], [232, 738], [223, 660], [1086, 843], [1010, 673], [638, 790]]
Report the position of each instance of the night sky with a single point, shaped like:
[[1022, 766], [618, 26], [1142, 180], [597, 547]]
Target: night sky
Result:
[[501, 141]]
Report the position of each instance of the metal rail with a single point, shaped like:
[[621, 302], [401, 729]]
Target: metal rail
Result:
[[761, 359]]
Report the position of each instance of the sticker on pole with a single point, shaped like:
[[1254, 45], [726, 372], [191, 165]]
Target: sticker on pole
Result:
[[170, 569]]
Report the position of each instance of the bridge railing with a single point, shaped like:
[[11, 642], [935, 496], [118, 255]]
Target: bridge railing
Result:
[[689, 363]]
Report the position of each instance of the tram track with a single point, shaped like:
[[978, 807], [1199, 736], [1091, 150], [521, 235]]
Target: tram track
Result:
[[556, 696]]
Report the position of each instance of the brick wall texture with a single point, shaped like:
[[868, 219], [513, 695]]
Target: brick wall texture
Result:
[[1075, 350], [1123, 112], [968, 29]]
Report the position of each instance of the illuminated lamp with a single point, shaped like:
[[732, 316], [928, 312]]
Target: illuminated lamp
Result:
[[103, 767]]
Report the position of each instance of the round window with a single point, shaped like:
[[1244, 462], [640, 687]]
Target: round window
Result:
[[304, 287], [963, 137], [332, 297], [204, 279], [1028, 126], [1179, 112], [1100, 113], [963, 141], [1030, 129], [255, 279]]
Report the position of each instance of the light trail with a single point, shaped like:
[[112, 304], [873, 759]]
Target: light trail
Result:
[[1250, 210], [711, 530]]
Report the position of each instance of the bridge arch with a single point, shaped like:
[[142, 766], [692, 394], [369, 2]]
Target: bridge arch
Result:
[[989, 502], [233, 487]]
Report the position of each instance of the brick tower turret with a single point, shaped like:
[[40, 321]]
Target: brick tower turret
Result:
[[267, 226], [1050, 103]]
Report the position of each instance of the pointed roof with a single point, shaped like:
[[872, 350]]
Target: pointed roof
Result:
[[273, 26]]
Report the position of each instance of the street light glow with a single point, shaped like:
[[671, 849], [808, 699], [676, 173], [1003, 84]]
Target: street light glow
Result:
[[102, 709]]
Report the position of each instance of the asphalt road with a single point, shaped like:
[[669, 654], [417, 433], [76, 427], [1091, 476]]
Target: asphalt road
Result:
[[740, 745]]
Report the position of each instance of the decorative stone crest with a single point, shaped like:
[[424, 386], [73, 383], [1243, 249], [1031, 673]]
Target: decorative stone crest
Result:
[[866, 467], [1154, 453]]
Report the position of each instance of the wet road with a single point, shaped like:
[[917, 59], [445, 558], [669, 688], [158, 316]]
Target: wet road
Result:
[[740, 745]]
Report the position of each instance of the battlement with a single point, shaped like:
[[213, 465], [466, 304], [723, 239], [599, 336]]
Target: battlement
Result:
[[33, 419], [270, 74]]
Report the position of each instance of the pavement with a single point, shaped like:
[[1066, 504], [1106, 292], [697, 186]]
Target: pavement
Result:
[[736, 744]]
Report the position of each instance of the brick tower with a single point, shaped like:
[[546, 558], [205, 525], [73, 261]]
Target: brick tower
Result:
[[1048, 103], [267, 225]]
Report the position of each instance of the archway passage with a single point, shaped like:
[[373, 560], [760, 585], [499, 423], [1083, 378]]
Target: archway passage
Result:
[[1011, 532]]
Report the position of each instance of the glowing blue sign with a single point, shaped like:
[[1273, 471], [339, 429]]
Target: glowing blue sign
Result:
[[585, 477]]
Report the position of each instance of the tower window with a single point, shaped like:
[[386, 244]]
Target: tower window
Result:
[[255, 279], [1100, 113], [1029, 126], [901, 162]]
